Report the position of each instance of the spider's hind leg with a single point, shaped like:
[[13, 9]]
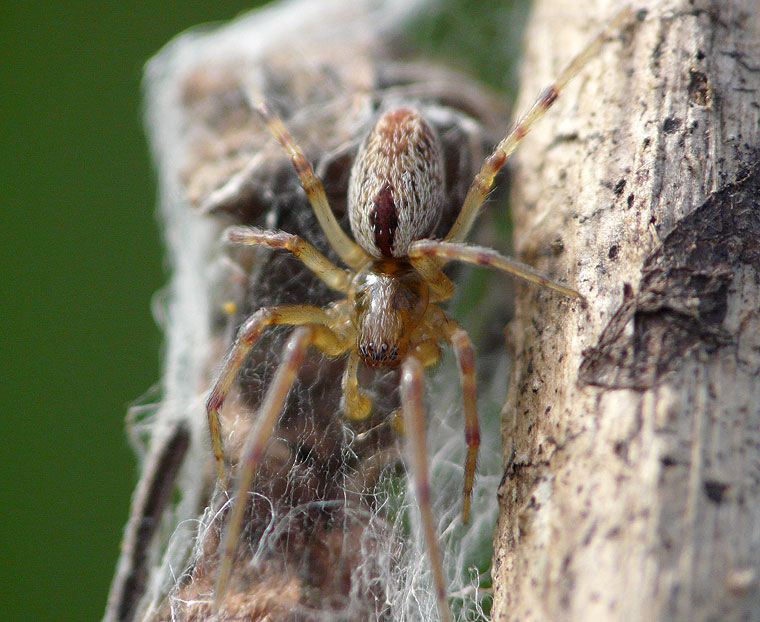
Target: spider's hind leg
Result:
[[484, 180]]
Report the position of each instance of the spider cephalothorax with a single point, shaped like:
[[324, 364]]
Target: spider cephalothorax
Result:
[[390, 300], [390, 314]]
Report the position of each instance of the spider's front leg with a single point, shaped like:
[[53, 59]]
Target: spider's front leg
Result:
[[320, 265], [480, 256], [349, 251], [247, 336], [464, 351], [483, 181], [300, 341]]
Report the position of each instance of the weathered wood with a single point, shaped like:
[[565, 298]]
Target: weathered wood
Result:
[[633, 429]]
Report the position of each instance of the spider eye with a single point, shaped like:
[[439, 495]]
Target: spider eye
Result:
[[383, 348]]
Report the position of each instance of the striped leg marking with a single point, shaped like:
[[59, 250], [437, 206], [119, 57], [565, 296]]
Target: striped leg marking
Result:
[[448, 251], [349, 251], [483, 181]]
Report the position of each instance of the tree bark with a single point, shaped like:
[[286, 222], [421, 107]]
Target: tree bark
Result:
[[632, 434]]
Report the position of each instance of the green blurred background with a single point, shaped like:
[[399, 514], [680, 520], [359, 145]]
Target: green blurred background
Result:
[[81, 258]]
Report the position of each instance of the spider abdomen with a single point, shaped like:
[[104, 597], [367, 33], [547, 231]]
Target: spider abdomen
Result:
[[396, 191]]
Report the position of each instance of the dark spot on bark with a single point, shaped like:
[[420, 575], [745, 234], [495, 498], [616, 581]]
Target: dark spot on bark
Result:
[[613, 252], [668, 461], [384, 221], [641, 14], [557, 247], [646, 142], [699, 88], [619, 187], [715, 491], [682, 297], [670, 125], [630, 200], [700, 55]]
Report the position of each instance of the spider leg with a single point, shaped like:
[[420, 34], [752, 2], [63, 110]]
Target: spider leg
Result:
[[483, 181], [247, 336], [441, 287], [412, 394], [427, 352], [349, 251], [273, 404], [336, 278], [444, 327], [465, 355], [356, 405], [448, 251]]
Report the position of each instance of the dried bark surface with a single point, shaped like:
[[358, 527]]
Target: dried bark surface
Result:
[[632, 435]]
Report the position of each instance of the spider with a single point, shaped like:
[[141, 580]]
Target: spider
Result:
[[390, 314]]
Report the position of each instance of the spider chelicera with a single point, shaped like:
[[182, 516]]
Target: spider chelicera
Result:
[[390, 315]]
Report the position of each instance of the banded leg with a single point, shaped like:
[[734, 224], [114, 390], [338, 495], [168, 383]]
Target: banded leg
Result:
[[448, 251], [412, 396], [274, 402], [483, 181], [356, 405], [334, 277], [465, 355], [349, 251], [247, 336]]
